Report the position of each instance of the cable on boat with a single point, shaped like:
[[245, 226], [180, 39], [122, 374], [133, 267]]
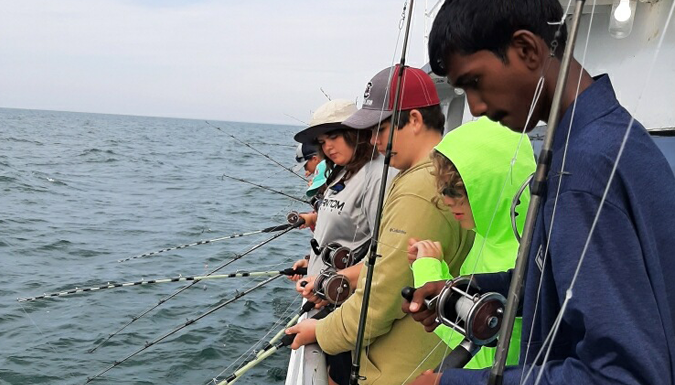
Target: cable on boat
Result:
[[270, 229], [183, 326], [293, 217], [265, 188], [197, 278], [256, 150]]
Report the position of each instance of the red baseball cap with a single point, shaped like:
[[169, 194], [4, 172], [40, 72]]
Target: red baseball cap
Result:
[[418, 91]]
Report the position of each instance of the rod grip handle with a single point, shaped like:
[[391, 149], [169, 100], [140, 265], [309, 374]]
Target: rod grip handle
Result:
[[461, 355], [273, 229], [292, 271], [287, 339], [309, 305]]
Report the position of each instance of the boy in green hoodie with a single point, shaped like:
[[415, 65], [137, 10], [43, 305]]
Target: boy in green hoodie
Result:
[[477, 177]]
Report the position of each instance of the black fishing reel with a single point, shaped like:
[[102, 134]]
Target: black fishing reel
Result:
[[462, 307], [332, 287], [334, 254]]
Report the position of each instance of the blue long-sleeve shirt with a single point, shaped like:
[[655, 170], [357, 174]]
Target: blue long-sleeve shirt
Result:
[[618, 327]]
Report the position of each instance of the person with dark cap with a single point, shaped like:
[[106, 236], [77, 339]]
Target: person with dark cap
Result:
[[610, 319], [396, 348], [307, 157]]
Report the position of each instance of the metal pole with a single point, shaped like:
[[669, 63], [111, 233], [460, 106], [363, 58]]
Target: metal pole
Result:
[[516, 288]]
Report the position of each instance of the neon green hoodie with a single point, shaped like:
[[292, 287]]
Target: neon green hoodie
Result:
[[482, 151]]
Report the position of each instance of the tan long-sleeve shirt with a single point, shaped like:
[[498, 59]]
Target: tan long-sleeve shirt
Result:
[[396, 344]]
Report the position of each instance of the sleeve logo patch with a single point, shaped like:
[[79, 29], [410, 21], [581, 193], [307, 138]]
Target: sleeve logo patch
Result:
[[397, 231]]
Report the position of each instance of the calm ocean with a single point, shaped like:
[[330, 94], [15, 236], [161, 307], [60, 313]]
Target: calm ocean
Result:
[[80, 191]]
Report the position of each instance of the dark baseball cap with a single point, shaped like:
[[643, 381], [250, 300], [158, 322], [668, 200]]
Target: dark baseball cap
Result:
[[418, 91], [303, 153]]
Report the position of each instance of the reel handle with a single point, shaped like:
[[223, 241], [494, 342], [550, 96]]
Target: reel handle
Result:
[[303, 283], [315, 246], [408, 292]]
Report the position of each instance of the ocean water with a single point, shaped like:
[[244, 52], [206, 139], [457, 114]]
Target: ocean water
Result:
[[80, 191]]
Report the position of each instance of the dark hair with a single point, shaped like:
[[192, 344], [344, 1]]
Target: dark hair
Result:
[[469, 26], [364, 152], [432, 117]]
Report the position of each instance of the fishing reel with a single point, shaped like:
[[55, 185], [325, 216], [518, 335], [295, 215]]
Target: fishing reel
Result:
[[477, 316], [332, 287], [315, 201], [334, 254], [294, 218], [460, 306]]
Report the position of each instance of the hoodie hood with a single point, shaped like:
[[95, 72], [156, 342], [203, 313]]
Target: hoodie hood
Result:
[[483, 153]]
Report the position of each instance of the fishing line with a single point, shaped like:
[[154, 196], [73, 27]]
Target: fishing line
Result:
[[251, 350], [537, 93], [569, 292], [426, 358], [270, 229], [265, 188], [256, 150], [196, 278], [38, 328], [370, 262], [557, 194], [165, 299], [273, 144], [286, 340], [181, 327]]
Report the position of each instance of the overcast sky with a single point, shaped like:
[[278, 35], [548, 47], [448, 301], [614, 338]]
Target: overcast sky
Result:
[[247, 60]]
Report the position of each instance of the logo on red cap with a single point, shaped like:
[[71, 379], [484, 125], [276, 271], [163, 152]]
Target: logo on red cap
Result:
[[366, 94]]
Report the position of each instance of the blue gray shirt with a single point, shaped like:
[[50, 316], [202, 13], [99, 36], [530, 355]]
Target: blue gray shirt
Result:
[[618, 327]]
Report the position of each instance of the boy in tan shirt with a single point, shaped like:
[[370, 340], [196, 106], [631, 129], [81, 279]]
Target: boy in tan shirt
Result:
[[395, 344]]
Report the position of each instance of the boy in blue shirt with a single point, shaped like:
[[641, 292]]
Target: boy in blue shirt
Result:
[[618, 326]]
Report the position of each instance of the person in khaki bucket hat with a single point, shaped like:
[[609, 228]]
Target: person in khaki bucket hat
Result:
[[326, 118], [346, 214]]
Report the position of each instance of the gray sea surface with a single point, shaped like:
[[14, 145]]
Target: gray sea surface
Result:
[[80, 191]]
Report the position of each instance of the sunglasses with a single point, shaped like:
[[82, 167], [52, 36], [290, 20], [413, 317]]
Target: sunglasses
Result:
[[452, 192]]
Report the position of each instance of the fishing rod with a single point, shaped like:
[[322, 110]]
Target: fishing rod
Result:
[[258, 151], [287, 272], [181, 327], [270, 229], [286, 340], [537, 190], [273, 144], [372, 256], [335, 289], [292, 218], [265, 188]]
